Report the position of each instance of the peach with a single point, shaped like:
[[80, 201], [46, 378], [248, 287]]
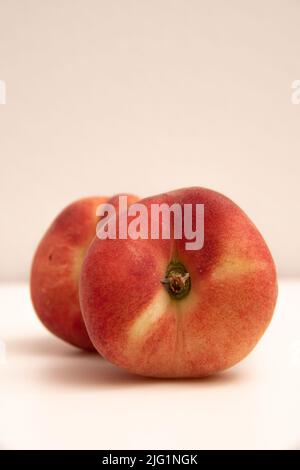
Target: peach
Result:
[[56, 268], [154, 308]]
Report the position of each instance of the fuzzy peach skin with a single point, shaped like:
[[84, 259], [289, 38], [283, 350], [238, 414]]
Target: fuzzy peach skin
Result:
[[135, 322], [56, 267]]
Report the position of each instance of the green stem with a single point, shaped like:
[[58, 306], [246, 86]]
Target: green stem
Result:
[[177, 280]]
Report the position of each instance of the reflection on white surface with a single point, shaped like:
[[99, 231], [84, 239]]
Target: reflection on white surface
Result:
[[2, 352], [55, 396]]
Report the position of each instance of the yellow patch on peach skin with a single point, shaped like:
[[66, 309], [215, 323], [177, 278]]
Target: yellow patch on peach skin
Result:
[[78, 255], [231, 267], [152, 313]]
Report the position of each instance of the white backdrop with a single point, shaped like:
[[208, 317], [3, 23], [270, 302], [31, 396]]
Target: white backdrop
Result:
[[140, 96]]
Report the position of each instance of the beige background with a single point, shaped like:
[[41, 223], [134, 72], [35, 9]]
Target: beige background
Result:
[[146, 96]]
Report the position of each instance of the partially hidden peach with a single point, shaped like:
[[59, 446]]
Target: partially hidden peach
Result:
[[56, 268], [155, 308]]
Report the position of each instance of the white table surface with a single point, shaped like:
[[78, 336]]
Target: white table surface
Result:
[[55, 396]]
